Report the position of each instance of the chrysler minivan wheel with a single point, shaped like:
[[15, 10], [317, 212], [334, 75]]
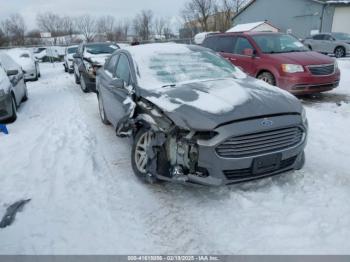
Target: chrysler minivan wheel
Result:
[[339, 52], [268, 78]]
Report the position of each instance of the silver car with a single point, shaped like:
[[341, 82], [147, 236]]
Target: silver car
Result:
[[13, 89], [330, 43], [195, 118]]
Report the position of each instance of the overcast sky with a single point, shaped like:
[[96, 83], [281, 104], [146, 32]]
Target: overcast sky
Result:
[[117, 8]]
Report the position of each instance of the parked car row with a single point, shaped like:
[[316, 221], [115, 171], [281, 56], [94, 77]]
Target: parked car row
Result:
[[194, 117], [13, 89]]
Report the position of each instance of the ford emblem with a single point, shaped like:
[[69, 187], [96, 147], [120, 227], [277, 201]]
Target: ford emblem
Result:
[[267, 123]]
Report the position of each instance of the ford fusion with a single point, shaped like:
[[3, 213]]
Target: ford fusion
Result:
[[195, 118]]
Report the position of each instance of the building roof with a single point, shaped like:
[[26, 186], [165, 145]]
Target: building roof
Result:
[[331, 2], [248, 27]]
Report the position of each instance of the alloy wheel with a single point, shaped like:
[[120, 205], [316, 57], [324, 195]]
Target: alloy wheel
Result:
[[339, 52], [141, 157]]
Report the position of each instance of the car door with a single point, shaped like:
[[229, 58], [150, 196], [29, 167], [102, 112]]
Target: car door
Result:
[[328, 44], [320, 43], [116, 96], [243, 55], [105, 78]]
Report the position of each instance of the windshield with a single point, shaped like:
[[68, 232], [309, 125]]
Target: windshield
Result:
[[96, 49], [72, 50], [342, 36], [278, 43], [172, 67]]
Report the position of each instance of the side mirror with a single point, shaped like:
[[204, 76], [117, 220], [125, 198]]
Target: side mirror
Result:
[[76, 55], [249, 52], [118, 83], [12, 72]]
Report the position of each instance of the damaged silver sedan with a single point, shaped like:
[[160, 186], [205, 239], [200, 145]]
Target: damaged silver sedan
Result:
[[195, 118]]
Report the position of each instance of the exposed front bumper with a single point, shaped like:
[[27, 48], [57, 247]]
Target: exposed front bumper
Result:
[[223, 171], [5, 107], [305, 83]]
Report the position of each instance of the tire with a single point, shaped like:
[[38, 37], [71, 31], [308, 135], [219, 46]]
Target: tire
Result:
[[65, 68], [268, 78], [25, 97], [310, 47], [340, 52], [101, 109], [14, 110], [139, 159], [83, 85], [36, 75], [76, 79]]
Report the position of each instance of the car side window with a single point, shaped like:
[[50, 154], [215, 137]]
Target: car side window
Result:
[[242, 43], [111, 65], [318, 37], [123, 69], [328, 37], [210, 43], [226, 44]]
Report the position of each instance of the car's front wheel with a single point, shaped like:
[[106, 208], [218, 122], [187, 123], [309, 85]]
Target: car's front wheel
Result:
[[339, 52], [102, 111], [268, 78], [139, 155]]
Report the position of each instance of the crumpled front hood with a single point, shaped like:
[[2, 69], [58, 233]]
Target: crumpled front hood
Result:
[[206, 105]]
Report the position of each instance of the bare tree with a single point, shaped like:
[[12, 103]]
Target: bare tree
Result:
[[3, 39], [86, 25], [125, 25], [159, 25], [143, 24], [51, 23], [199, 11], [236, 5], [68, 25], [14, 29], [105, 25]]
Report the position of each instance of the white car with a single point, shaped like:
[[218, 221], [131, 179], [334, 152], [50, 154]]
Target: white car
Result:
[[68, 58], [26, 60]]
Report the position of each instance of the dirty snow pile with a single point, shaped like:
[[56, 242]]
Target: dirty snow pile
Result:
[[86, 200]]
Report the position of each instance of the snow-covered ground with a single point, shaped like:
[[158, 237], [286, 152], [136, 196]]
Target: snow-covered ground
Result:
[[86, 200]]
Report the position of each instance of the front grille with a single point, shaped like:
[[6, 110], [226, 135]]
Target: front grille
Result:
[[260, 143], [244, 174], [322, 70]]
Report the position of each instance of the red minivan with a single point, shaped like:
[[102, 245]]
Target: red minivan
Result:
[[279, 59]]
